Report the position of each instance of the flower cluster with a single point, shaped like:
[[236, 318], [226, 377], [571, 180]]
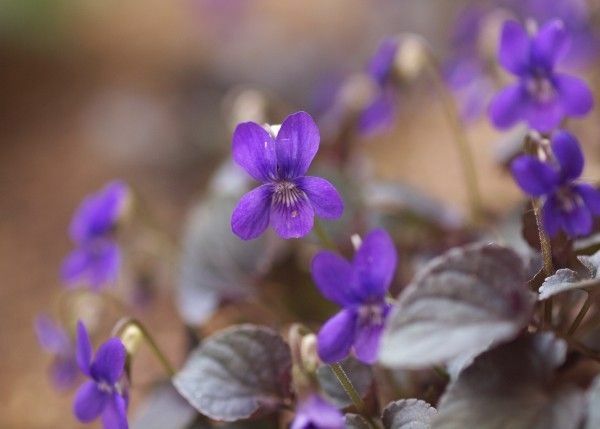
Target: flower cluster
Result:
[[542, 96], [95, 261], [105, 395], [288, 200], [567, 204]]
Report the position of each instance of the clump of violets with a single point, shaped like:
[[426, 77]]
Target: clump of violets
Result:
[[96, 259], [288, 200], [568, 205], [542, 96], [55, 340], [105, 394], [379, 114], [314, 412], [360, 287]]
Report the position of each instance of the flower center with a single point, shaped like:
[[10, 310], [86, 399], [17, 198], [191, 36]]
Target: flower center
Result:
[[371, 314], [287, 194], [568, 200], [540, 88]]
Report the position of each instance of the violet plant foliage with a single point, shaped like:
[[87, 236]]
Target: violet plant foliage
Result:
[[568, 204], [105, 395], [288, 199], [542, 96], [360, 288], [96, 260]]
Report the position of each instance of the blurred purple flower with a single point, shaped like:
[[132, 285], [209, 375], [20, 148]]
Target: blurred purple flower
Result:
[[359, 287], [287, 200], [542, 97], [96, 259], [56, 341], [567, 205], [105, 394], [379, 114], [314, 412]]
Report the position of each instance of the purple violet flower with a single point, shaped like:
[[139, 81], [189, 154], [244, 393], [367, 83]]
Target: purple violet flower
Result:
[[105, 394], [359, 287], [55, 340], [542, 97], [96, 259], [314, 412], [287, 199], [567, 205], [379, 114]]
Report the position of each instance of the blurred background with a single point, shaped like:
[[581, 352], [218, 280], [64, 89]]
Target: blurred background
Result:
[[138, 90]]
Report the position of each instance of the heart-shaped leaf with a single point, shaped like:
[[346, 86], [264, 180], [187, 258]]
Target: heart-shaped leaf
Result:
[[215, 264], [513, 386], [359, 373], [408, 414], [237, 373], [460, 304], [565, 279]]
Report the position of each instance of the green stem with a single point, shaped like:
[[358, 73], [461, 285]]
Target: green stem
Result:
[[460, 138], [546, 257], [346, 384], [582, 312], [125, 323]]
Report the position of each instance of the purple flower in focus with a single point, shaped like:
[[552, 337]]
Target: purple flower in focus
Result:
[[287, 199], [96, 259], [55, 340], [379, 114], [314, 412], [542, 97], [105, 394], [359, 287], [567, 205]]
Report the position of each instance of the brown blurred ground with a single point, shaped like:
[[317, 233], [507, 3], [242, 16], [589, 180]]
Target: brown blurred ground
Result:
[[132, 90]]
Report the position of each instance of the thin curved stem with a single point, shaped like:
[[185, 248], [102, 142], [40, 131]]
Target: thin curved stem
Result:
[[122, 326], [582, 312], [546, 248], [348, 387]]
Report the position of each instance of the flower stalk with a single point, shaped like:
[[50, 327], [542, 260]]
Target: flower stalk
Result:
[[546, 249], [579, 318]]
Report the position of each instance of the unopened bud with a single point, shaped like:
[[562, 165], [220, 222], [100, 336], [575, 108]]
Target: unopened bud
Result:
[[308, 352], [411, 57], [131, 338]]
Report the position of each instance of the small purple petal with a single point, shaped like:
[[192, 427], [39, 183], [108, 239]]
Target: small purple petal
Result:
[[296, 145], [543, 117], [52, 337], [90, 401], [314, 412], [382, 62], [574, 94], [551, 216], [254, 150], [84, 349], [568, 154], [379, 115], [64, 371], [109, 361], [323, 196], [577, 222], [115, 413], [250, 217], [533, 176], [74, 266], [514, 48], [549, 45], [334, 276], [293, 221], [506, 108], [366, 344], [336, 336], [590, 196], [375, 264], [106, 261]]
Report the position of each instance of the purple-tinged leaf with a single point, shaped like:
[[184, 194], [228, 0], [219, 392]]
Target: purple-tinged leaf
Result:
[[566, 279], [408, 414], [513, 386], [460, 303], [241, 372]]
